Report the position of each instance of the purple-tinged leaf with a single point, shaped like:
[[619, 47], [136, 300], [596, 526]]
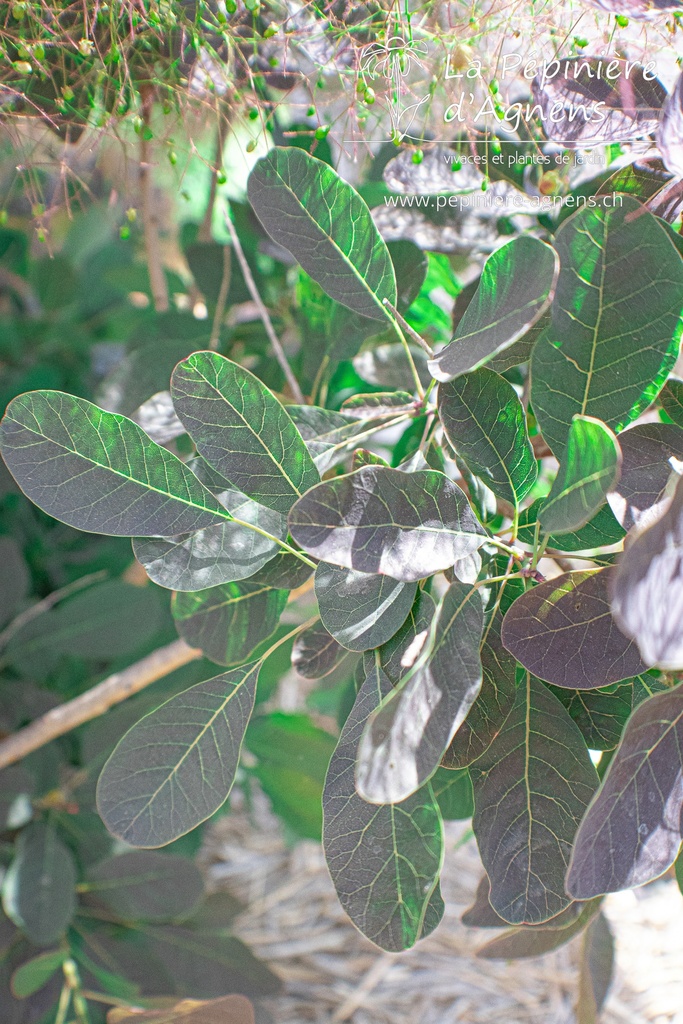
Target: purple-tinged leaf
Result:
[[645, 472], [631, 832], [595, 970], [531, 789], [316, 653], [564, 632], [361, 610], [537, 940]]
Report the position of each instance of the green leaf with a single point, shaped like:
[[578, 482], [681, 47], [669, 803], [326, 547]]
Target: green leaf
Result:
[[176, 767], [520, 351], [405, 739], [384, 861], [33, 974], [646, 470], [671, 397], [38, 892], [228, 623], [516, 287], [284, 572], [601, 716], [647, 588], [631, 833], [493, 704], [387, 366], [293, 757], [485, 423], [616, 324], [241, 430], [589, 470], [453, 792], [361, 610], [603, 530], [563, 631], [595, 972], [531, 789], [304, 205], [217, 554], [110, 620], [100, 472], [316, 653], [16, 579], [403, 525], [537, 940], [145, 886], [383, 403]]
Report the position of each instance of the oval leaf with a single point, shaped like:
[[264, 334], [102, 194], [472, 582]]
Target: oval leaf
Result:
[[515, 289], [405, 739], [537, 940], [146, 886], [485, 423], [531, 788], [645, 472], [316, 653], [304, 205], [609, 348], [32, 975], [563, 631], [361, 610], [589, 470], [228, 623], [379, 520], [384, 861], [647, 589], [241, 430], [39, 890], [176, 767], [100, 472], [631, 833]]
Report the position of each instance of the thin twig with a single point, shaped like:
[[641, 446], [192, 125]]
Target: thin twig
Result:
[[263, 312], [150, 221], [94, 702], [410, 331], [221, 300]]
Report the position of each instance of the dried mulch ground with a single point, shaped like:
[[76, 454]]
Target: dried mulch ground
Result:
[[332, 974]]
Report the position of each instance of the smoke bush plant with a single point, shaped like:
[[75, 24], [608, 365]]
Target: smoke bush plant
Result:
[[481, 687]]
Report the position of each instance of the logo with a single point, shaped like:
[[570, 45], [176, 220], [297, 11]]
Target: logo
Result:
[[393, 61]]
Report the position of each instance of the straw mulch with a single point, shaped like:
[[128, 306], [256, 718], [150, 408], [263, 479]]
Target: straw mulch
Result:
[[332, 974]]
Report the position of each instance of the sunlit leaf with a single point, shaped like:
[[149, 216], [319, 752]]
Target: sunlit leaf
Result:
[[531, 789], [563, 631], [405, 739], [397, 656], [632, 830], [610, 345], [146, 885], [384, 861], [99, 471], [645, 472], [316, 653], [648, 586], [589, 469], [485, 423], [176, 767], [17, 786], [580, 106], [361, 610], [602, 530], [671, 397], [304, 205], [241, 430], [39, 889], [516, 288], [368, 407], [403, 525], [228, 623]]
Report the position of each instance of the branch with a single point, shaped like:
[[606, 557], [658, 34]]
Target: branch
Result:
[[157, 278], [96, 701], [263, 312]]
